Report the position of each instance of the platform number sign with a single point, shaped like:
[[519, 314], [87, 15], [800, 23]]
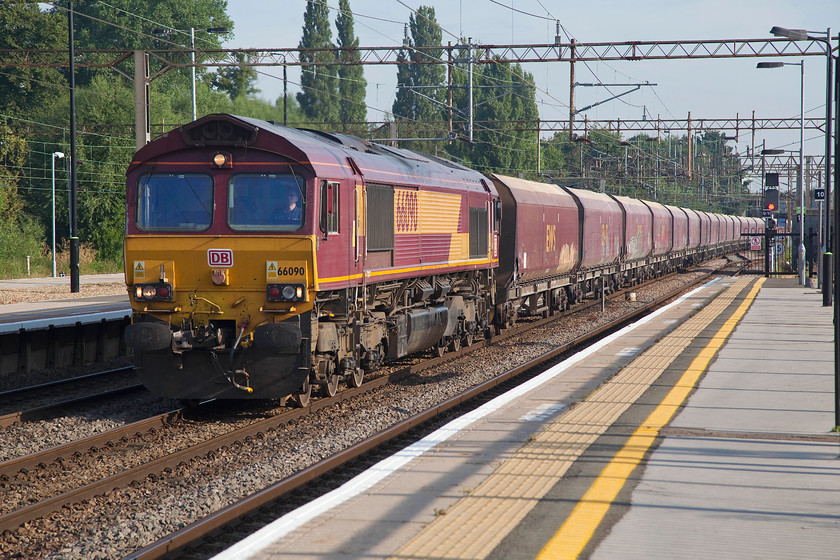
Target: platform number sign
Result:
[[219, 258], [819, 194]]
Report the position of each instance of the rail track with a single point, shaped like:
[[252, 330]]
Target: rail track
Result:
[[26, 405], [33, 469]]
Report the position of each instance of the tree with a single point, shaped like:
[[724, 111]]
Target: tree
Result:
[[319, 98], [351, 81], [237, 80], [503, 97], [24, 90], [420, 87], [20, 235], [129, 24]]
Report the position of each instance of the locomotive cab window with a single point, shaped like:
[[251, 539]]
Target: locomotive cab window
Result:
[[172, 202], [266, 202], [329, 207]]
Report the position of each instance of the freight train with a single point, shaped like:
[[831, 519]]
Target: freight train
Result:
[[264, 262]]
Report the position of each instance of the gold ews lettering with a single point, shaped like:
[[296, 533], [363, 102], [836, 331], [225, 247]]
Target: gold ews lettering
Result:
[[550, 238]]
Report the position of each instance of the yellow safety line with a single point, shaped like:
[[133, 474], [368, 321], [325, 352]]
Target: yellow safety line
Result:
[[578, 529]]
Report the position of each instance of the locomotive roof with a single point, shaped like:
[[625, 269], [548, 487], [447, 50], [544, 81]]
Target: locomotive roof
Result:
[[327, 153]]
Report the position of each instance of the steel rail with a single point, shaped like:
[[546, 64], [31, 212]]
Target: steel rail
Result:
[[53, 410]]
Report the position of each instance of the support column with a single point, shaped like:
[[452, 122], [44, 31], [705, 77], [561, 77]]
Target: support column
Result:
[[142, 126]]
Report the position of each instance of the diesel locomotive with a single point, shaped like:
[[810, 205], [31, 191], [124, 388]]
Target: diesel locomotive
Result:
[[264, 262]]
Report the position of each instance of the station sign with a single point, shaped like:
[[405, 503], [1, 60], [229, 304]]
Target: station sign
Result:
[[819, 194]]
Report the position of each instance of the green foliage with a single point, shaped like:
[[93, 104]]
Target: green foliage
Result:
[[421, 88], [24, 90], [20, 234], [259, 109], [351, 80], [105, 117], [319, 98], [132, 25], [505, 109], [238, 80]]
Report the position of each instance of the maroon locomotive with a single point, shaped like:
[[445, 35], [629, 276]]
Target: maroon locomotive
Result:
[[264, 261]]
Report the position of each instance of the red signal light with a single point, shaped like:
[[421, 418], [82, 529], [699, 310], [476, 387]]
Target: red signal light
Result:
[[771, 206]]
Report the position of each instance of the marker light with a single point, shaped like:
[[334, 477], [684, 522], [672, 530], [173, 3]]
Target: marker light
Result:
[[222, 159], [285, 292], [153, 292]]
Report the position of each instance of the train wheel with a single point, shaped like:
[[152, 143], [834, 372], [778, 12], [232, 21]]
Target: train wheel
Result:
[[468, 340], [354, 377], [454, 345], [440, 350], [330, 388], [303, 397]]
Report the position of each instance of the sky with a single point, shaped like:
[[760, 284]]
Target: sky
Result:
[[709, 89]]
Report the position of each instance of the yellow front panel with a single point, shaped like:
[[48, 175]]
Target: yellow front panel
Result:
[[241, 267]]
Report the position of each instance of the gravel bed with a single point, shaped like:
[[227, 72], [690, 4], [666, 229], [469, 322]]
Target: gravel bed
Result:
[[23, 294], [122, 521]]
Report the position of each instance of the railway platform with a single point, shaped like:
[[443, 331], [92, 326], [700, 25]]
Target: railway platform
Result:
[[701, 431], [33, 315]]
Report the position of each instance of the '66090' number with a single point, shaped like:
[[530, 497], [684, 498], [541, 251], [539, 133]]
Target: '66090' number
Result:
[[290, 271]]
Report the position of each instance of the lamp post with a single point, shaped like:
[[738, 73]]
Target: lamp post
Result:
[[58, 155], [801, 174], [191, 31], [805, 35]]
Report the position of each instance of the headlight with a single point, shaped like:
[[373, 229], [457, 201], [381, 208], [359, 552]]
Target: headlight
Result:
[[285, 292], [153, 292]]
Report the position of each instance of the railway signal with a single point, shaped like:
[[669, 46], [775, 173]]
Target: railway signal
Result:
[[771, 200]]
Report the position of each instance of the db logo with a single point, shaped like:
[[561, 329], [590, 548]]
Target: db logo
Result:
[[219, 257]]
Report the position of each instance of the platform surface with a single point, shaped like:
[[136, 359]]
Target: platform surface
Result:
[[62, 311], [749, 468], [746, 468]]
